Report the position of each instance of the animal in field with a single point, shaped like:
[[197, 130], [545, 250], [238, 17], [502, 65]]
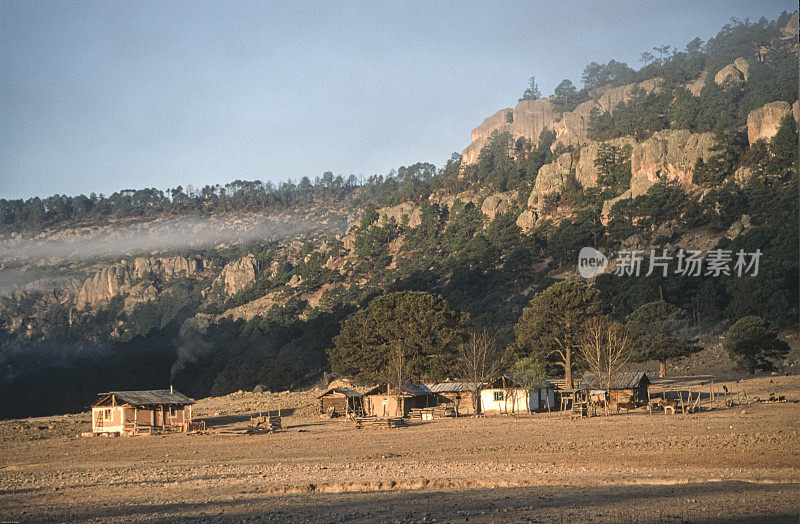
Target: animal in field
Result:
[[668, 405], [624, 401], [627, 405]]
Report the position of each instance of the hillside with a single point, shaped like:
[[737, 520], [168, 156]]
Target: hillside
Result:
[[229, 287]]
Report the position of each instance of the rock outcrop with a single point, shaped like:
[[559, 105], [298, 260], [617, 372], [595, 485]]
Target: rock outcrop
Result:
[[237, 275], [550, 179], [406, 209], [119, 278], [527, 120], [614, 96], [735, 72], [498, 203], [105, 284], [668, 155], [259, 306], [138, 294], [465, 197], [527, 220], [791, 29], [551, 176], [696, 87], [530, 117], [167, 267], [764, 122]]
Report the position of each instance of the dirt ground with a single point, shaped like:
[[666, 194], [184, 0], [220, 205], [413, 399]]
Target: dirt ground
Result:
[[729, 464]]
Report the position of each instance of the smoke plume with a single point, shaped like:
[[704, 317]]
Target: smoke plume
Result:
[[191, 344]]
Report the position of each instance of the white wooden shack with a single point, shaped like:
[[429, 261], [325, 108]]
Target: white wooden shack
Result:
[[509, 393]]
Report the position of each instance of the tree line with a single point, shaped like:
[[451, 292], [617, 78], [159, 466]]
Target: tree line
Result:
[[416, 336]]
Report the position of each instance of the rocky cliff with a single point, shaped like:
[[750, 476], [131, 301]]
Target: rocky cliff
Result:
[[237, 275], [763, 123], [125, 277], [530, 117]]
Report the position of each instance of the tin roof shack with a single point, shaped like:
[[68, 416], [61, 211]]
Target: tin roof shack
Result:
[[128, 412], [341, 402], [628, 388], [458, 395], [509, 393], [383, 401]]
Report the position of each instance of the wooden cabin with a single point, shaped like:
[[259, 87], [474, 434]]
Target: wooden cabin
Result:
[[384, 402], [458, 395], [341, 402], [509, 393], [624, 387], [127, 412]]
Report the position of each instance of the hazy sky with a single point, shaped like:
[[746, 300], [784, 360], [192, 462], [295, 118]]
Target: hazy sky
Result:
[[102, 96]]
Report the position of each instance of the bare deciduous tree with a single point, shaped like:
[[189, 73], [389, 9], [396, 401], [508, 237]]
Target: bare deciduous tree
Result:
[[479, 360], [398, 364], [604, 348]]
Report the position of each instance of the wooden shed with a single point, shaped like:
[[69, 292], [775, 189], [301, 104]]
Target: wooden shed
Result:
[[385, 402], [509, 393], [136, 411], [458, 395], [624, 387], [341, 401]]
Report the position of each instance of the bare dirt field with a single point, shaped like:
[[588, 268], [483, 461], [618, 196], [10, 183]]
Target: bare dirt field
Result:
[[731, 464]]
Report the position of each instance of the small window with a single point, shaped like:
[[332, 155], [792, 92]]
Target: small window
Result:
[[499, 396], [173, 412], [106, 414]]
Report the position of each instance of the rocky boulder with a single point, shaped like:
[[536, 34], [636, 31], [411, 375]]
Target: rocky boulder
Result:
[[237, 275], [763, 123], [735, 72], [740, 226], [527, 220], [498, 203]]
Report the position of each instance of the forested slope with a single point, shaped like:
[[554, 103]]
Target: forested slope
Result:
[[247, 284]]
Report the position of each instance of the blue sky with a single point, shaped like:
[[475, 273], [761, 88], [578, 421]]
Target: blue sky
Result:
[[103, 96]]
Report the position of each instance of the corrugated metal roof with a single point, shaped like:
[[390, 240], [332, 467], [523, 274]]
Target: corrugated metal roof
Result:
[[415, 390], [453, 387], [150, 397], [628, 380], [344, 391]]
